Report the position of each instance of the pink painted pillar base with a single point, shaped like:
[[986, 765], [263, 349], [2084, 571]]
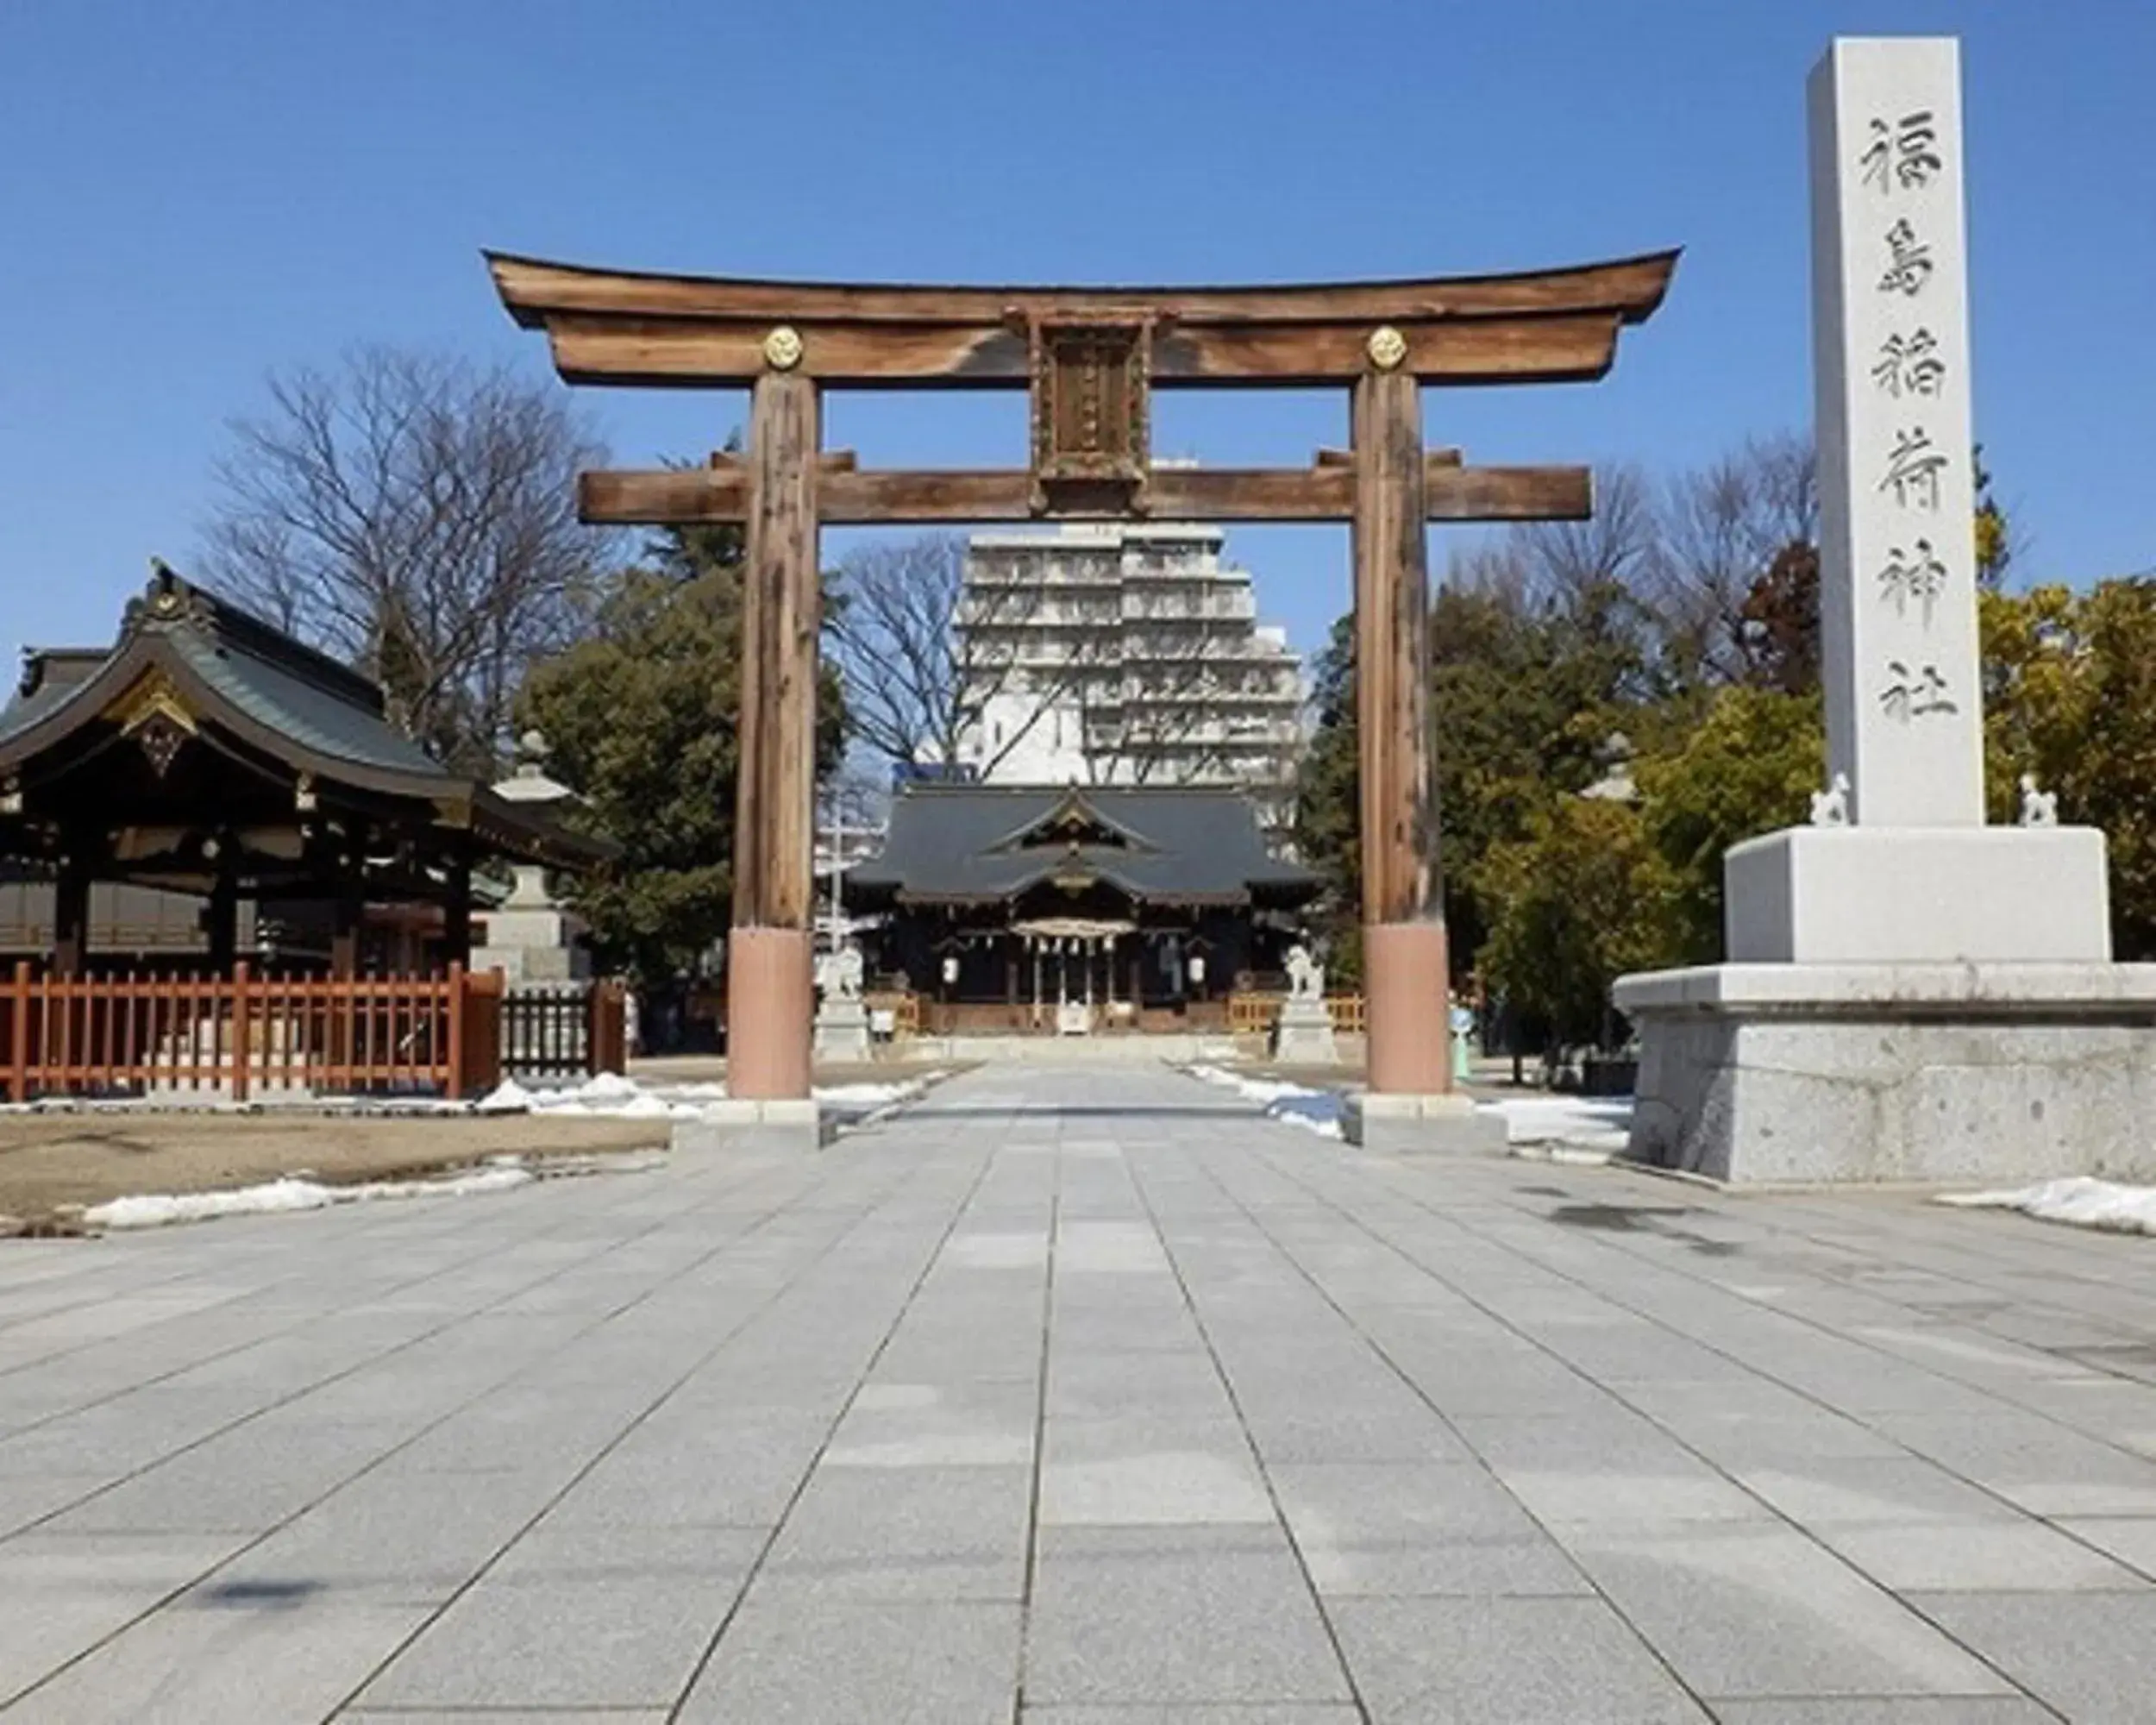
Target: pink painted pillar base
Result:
[[770, 1010], [1409, 1039]]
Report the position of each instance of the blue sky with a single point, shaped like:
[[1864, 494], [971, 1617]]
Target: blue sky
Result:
[[192, 194]]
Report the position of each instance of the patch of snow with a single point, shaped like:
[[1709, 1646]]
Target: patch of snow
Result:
[[158, 1209], [643, 1105], [1585, 1129], [608, 1087], [1588, 1123], [2078, 1202], [301, 1191], [1299, 1105], [610, 1095], [508, 1097], [607, 1095], [873, 1096], [859, 1104]]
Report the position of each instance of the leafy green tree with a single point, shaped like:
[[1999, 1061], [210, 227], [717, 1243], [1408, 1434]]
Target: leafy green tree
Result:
[[1995, 535], [1581, 899], [1748, 767], [640, 716], [1523, 694], [2071, 698]]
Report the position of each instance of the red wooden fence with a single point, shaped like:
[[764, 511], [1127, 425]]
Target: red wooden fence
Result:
[[241, 1034]]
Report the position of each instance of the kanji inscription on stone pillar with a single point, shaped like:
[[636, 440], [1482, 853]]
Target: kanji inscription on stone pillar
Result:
[[1896, 459]]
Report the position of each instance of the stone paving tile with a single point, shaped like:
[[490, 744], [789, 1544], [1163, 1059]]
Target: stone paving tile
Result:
[[1286, 1712], [1961, 1709], [1505, 1662], [26, 1499], [211, 1655], [1087, 1385], [1137, 1472], [1902, 1488], [1442, 1527], [578, 1617], [1325, 1428], [60, 1594], [1179, 1616], [1614, 1467], [2086, 1654], [881, 1662], [2032, 1461], [777, 1435], [915, 1532], [246, 1480], [893, 1424], [2131, 1540], [1747, 1608], [388, 1539], [1976, 1557], [552, 1715]]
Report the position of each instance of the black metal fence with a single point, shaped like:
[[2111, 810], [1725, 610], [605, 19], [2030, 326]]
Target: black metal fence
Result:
[[562, 1030]]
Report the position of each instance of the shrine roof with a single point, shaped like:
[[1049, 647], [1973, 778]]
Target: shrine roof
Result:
[[971, 844], [214, 663]]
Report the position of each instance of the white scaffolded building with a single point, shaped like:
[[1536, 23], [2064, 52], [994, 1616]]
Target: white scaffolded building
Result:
[[1125, 653]]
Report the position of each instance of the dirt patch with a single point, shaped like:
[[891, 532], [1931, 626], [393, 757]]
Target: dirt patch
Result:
[[51, 1162]]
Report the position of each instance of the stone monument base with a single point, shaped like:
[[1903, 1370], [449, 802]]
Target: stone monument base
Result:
[[1407, 1124], [747, 1123], [1990, 1074], [842, 1030], [1303, 1035], [1904, 894]]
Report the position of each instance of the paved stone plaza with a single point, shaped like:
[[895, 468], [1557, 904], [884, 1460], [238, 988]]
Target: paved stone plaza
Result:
[[1088, 1398]]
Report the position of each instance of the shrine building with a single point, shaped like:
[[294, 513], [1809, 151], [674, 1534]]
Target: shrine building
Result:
[[227, 870], [207, 754], [1079, 909]]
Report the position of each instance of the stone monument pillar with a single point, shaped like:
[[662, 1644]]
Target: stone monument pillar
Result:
[[1910, 994]]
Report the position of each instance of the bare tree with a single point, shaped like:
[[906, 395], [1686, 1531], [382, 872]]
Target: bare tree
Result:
[[923, 651], [1724, 527], [417, 517], [1566, 562]]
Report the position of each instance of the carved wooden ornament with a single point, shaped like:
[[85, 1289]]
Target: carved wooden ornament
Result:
[[154, 712], [1091, 409]]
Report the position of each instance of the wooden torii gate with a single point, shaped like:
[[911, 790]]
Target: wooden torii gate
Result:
[[1092, 358]]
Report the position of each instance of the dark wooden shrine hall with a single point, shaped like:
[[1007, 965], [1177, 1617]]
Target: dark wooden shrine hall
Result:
[[1011, 907], [208, 753]]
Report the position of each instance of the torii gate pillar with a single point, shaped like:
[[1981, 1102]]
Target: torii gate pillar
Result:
[[1403, 909], [770, 996]]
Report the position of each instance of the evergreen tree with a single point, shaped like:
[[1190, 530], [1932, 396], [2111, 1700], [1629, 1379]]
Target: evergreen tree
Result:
[[640, 716]]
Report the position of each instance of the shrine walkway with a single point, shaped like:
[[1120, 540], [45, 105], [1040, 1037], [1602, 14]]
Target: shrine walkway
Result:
[[1082, 1398]]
